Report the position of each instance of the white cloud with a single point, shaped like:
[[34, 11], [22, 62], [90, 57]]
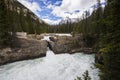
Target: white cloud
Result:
[[33, 6], [58, 2], [50, 6], [66, 9], [71, 6]]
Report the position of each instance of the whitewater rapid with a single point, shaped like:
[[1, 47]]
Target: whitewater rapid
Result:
[[51, 67]]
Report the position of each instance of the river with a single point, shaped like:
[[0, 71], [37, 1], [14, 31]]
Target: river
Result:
[[51, 67]]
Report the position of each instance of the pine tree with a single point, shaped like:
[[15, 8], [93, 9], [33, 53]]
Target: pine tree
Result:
[[4, 35], [110, 43], [85, 76]]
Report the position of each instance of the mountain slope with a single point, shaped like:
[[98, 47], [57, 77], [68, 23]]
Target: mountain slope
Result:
[[22, 19]]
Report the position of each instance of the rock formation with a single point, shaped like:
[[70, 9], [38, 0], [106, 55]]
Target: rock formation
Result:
[[69, 44], [23, 49]]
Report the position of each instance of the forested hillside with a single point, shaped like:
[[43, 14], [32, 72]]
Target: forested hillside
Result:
[[14, 17]]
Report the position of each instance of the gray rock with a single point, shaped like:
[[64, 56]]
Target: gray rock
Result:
[[33, 48], [29, 49], [61, 45], [85, 50], [68, 44], [39, 37]]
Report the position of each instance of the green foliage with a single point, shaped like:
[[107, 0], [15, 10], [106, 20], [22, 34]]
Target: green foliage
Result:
[[109, 40], [85, 76], [4, 35], [111, 62], [78, 78]]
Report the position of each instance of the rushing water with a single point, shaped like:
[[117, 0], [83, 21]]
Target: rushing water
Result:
[[51, 67]]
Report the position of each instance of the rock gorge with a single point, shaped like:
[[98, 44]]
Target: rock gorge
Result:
[[30, 45], [34, 47]]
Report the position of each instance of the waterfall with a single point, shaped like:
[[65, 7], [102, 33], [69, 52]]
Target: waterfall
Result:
[[49, 53]]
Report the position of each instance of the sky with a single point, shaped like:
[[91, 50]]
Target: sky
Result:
[[53, 11]]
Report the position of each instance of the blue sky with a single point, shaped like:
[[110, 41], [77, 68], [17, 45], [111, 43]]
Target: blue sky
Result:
[[52, 11]]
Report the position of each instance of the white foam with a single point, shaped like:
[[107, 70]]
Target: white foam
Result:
[[50, 53], [51, 67], [46, 38]]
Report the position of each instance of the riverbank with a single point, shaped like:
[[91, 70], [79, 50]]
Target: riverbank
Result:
[[34, 46]]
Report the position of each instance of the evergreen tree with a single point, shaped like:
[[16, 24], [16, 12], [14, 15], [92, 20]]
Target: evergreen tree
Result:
[[85, 76], [110, 43], [4, 35]]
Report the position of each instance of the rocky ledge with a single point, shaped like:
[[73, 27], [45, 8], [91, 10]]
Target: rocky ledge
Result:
[[25, 49]]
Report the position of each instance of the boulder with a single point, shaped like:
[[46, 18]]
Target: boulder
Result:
[[69, 44], [59, 48], [61, 44]]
